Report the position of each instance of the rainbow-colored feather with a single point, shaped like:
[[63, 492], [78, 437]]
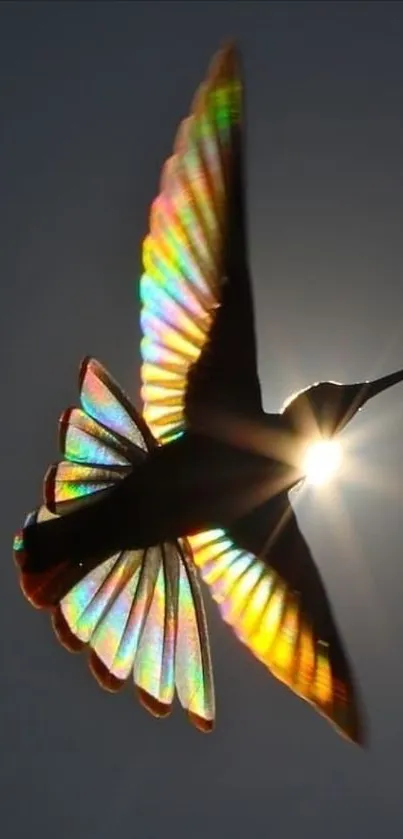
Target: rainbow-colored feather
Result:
[[140, 611], [267, 616], [182, 283]]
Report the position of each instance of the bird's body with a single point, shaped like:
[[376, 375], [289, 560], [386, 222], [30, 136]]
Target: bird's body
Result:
[[202, 479], [194, 483]]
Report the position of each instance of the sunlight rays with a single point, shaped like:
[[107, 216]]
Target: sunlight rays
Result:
[[322, 461]]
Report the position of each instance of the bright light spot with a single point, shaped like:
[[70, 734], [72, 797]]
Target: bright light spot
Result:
[[321, 461]]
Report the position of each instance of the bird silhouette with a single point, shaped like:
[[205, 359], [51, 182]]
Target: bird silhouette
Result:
[[201, 479]]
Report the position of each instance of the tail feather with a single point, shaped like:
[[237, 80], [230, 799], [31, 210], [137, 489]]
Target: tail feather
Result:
[[68, 485], [84, 440], [139, 612], [101, 443], [64, 634], [43, 588]]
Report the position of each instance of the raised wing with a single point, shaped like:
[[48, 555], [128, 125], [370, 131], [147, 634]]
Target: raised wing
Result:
[[270, 592], [199, 350]]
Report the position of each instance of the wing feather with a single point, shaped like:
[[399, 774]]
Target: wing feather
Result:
[[196, 222], [141, 613], [276, 603]]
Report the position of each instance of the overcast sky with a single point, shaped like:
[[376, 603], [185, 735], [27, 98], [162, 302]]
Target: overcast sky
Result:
[[90, 97]]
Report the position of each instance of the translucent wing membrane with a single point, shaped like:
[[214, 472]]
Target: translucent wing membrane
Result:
[[139, 612], [268, 615], [184, 253]]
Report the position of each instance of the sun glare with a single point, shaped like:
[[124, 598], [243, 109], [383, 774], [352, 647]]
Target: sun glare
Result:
[[322, 461]]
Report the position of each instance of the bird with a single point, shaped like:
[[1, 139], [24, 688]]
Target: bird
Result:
[[197, 485]]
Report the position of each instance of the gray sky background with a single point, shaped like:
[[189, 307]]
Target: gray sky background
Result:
[[90, 98]]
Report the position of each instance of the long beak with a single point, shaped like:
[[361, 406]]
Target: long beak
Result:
[[370, 389], [355, 396]]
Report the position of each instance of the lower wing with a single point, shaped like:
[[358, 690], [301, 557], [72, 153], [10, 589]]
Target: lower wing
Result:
[[264, 580]]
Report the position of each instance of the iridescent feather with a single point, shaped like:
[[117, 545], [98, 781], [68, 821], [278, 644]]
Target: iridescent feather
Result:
[[182, 283], [267, 617], [139, 612]]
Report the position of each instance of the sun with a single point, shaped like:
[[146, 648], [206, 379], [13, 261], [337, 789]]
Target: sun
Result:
[[322, 461]]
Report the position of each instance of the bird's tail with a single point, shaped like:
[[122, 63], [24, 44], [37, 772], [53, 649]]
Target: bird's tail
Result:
[[139, 611]]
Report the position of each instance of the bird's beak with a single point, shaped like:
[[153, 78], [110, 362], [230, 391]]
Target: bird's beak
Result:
[[361, 392], [370, 389]]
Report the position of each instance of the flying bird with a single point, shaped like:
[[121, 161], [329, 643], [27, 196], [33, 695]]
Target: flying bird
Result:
[[199, 481]]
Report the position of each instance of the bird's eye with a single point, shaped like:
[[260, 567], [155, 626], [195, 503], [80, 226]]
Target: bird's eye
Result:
[[321, 461]]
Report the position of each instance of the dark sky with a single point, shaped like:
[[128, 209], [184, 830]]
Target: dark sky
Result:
[[90, 98]]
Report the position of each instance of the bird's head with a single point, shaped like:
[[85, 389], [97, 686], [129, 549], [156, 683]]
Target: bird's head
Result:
[[315, 415], [325, 408]]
